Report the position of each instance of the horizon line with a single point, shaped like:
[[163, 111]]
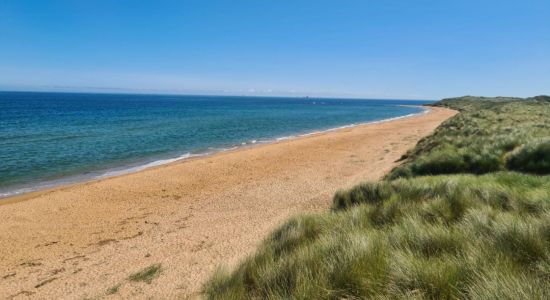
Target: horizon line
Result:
[[122, 91]]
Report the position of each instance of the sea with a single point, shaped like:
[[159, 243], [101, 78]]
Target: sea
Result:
[[51, 139]]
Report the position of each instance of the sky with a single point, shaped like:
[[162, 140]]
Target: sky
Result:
[[369, 49]]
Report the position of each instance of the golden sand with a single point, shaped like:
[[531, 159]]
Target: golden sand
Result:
[[84, 240]]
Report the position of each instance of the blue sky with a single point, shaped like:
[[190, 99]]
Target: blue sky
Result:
[[378, 49]]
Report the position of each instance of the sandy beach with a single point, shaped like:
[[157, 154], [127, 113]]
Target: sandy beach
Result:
[[85, 240]]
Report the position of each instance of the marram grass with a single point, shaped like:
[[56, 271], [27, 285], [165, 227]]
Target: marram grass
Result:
[[487, 136], [419, 234]]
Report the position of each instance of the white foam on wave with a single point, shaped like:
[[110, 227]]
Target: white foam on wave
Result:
[[425, 110], [285, 138], [96, 175], [148, 165]]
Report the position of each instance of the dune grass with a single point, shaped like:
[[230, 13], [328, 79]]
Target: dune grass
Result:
[[433, 229], [487, 136]]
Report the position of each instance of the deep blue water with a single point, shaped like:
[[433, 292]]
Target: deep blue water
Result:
[[51, 138]]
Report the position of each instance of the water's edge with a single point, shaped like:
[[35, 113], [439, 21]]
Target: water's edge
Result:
[[118, 171]]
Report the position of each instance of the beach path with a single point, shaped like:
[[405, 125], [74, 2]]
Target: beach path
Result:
[[85, 240]]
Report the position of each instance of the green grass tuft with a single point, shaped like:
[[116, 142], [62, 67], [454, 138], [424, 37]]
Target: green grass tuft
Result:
[[146, 275], [533, 157], [114, 289]]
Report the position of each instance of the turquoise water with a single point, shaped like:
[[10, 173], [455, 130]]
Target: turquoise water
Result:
[[48, 139]]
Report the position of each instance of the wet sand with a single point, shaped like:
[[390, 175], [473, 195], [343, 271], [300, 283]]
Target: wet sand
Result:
[[85, 240]]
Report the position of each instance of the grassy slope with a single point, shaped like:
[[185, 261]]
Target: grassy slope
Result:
[[488, 136], [434, 228]]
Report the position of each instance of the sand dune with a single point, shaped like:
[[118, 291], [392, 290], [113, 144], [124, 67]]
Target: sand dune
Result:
[[85, 240]]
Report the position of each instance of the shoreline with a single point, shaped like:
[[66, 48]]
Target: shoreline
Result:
[[189, 217], [48, 185]]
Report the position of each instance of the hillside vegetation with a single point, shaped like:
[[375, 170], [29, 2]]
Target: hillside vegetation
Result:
[[467, 215], [489, 135]]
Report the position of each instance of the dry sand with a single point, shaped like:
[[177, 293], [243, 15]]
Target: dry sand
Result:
[[79, 241]]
